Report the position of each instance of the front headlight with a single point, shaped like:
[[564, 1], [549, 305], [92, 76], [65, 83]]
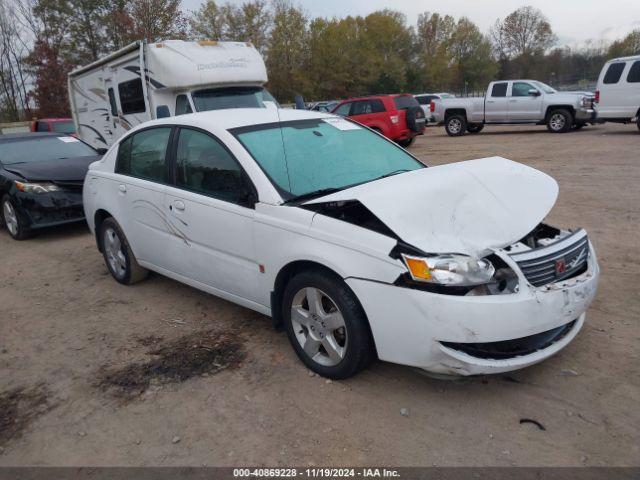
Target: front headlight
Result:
[[36, 187], [449, 269]]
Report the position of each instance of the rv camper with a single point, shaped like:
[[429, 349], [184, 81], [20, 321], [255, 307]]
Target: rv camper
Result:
[[146, 81]]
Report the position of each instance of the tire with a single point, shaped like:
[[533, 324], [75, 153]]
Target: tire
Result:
[[579, 125], [406, 143], [118, 257], [559, 121], [12, 220], [638, 122], [349, 345], [455, 125], [475, 127]]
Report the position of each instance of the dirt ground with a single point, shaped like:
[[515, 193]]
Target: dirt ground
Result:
[[74, 345]]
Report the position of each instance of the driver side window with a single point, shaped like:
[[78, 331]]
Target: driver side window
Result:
[[521, 89], [204, 166]]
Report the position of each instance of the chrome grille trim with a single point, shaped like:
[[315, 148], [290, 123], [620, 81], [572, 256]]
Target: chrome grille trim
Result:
[[540, 266]]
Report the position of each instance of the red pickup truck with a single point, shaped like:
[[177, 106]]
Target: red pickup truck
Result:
[[57, 125], [398, 117]]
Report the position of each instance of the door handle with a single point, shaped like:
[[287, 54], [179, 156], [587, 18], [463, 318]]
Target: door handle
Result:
[[122, 188], [178, 205], [491, 101], [513, 101]]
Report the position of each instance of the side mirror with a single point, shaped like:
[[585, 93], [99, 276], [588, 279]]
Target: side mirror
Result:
[[534, 93], [247, 196], [102, 151]]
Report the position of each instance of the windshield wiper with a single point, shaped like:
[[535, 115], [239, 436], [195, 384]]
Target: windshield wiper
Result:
[[314, 194], [391, 174]]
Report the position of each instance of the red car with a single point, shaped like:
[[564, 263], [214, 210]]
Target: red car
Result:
[[56, 125], [398, 117]]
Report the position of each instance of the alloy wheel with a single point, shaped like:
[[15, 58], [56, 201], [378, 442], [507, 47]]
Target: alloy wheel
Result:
[[455, 125], [10, 218], [557, 121], [319, 326], [114, 252]]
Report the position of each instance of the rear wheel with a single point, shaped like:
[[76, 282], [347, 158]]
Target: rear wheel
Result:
[[407, 142], [326, 325], [475, 127], [455, 125], [16, 226], [559, 121], [121, 262]]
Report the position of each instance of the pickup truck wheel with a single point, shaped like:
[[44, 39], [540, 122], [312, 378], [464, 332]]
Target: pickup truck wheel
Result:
[[638, 122], [475, 127], [326, 325], [455, 125], [406, 143], [559, 121]]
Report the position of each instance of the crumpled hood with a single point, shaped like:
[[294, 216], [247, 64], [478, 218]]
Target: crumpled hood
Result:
[[70, 169], [468, 207]]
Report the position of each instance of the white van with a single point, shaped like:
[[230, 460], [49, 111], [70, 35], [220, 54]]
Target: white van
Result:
[[147, 81], [618, 94]]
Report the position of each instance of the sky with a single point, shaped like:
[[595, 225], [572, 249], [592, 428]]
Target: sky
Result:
[[574, 21]]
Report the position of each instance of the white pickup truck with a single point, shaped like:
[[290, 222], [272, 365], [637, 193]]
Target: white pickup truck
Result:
[[515, 102]]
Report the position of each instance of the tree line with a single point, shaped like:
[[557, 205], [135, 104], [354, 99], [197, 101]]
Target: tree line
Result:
[[320, 58]]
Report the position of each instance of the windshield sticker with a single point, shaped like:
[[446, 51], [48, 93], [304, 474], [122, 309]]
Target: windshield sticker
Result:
[[68, 139], [341, 124]]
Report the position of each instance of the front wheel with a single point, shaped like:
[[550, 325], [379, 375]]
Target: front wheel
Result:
[[121, 262], [455, 125], [559, 121], [16, 226], [407, 142], [475, 127], [326, 325]]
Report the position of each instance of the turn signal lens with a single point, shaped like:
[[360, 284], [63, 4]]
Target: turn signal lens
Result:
[[418, 268]]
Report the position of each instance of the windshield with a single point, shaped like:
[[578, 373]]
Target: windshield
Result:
[[305, 156], [231, 97], [544, 87], [63, 127], [39, 149]]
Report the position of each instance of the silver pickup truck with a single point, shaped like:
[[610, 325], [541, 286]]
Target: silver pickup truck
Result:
[[515, 102]]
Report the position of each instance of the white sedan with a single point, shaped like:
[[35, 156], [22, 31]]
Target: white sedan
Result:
[[346, 240]]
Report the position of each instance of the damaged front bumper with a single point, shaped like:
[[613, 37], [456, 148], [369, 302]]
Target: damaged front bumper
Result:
[[49, 209], [471, 335]]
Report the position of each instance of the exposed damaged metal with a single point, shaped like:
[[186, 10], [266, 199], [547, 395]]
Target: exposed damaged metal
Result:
[[351, 211]]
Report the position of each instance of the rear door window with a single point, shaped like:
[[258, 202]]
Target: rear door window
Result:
[[634, 73], [499, 89], [614, 72], [362, 107], [377, 106], [143, 155]]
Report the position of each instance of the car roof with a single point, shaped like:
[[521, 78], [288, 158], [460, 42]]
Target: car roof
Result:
[[236, 118], [29, 135]]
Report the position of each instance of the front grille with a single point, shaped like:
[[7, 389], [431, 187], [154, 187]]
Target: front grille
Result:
[[70, 186], [513, 348], [559, 261]]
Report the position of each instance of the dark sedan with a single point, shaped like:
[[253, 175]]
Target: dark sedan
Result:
[[41, 179]]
